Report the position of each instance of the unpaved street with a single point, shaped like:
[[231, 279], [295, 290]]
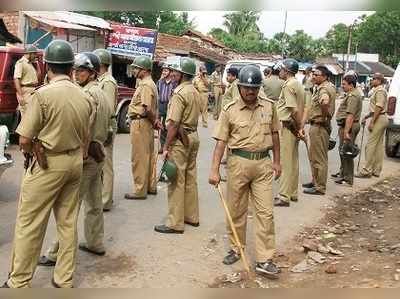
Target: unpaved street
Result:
[[139, 257]]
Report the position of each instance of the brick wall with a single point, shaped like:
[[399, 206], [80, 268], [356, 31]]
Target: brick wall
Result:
[[11, 19], [173, 42]]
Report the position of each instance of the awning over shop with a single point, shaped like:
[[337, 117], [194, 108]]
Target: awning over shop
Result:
[[63, 25]]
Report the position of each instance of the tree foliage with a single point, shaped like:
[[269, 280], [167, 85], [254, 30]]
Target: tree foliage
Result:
[[169, 22]]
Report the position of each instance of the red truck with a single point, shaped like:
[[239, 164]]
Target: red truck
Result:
[[10, 116]]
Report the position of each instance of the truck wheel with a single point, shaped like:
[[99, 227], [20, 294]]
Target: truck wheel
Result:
[[390, 149], [122, 126]]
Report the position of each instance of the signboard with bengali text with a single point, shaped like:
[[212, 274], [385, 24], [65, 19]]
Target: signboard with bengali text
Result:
[[132, 41]]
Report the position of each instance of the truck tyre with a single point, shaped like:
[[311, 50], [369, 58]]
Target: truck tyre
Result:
[[390, 149], [122, 126]]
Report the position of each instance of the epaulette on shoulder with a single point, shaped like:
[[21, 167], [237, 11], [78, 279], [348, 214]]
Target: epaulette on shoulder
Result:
[[268, 99], [230, 104], [39, 87], [179, 88]]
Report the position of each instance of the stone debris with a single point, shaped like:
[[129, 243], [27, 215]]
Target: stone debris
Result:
[[334, 251], [395, 246], [301, 267], [310, 245], [232, 278], [317, 257], [322, 249], [331, 269]]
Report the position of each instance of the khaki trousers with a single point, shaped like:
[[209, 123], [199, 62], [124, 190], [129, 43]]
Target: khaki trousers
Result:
[[347, 164], [218, 101], [42, 191], [374, 148], [143, 157], [319, 141], [253, 177], [183, 201], [26, 94], [108, 177], [90, 194], [289, 180], [204, 107]]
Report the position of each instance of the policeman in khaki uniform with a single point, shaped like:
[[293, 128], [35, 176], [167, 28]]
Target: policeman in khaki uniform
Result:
[[86, 67], [216, 83], [182, 146], [58, 116], [377, 126], [143, 113], [249, 126], [201, 84], [26, 76], [308, 91], [290, 108], [321, 111], [109, 86], [272, 85], [232, 91], [348, 120]]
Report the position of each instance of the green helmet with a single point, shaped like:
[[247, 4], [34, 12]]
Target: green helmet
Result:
[[143, 62], [186, 65], [291, 65], [170, 169], [30, 49], [59, 52], [250, 75], [349, 150], [104, 56]]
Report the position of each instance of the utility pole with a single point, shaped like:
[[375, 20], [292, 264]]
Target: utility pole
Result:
[[349, 48], [283, 37]]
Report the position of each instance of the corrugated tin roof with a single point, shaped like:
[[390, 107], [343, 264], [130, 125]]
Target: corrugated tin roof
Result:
[[71, 18], [63, 25]]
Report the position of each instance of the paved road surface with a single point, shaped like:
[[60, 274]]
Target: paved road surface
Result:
[[139, 257]]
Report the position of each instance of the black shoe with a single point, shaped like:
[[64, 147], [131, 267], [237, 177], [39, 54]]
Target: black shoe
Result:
[[231, 258], [132, 196], [152, 192], [281, 203], [163, 229], [268, 268], [336, 175], [106, 210], [376, 175], [308, 185], [5, 286], [44, 261], [195, 224], [343, 182], [84, 247], [312, 191], [55, 284], [294, 199]]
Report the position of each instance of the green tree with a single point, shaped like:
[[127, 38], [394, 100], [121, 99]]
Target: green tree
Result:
[[379, 33], [170, 22]]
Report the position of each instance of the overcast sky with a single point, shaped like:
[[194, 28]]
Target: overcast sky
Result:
[[315, 23]]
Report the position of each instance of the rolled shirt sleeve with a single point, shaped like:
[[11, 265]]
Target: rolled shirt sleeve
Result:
[[176, 109]]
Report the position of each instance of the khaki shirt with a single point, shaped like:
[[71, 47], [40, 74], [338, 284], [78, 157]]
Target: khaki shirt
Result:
[[102, 117], [108, 84], [58, 115], [216, 79], [246, 128], [25, 72], [184, 106], [201, 84], [273, 87], [351, 104], [308, 85], [325, 88], [145, 94], [378, 98], [231, 93], [292, 96]]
